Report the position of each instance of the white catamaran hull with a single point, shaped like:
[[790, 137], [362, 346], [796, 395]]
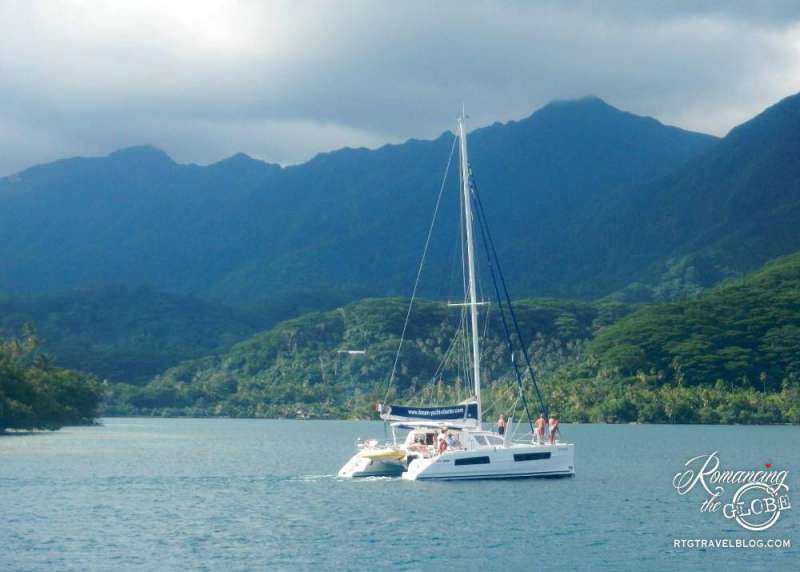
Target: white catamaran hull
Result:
[[361, 465], [517, 461]]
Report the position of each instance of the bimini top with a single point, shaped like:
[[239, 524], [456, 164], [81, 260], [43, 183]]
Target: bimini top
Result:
[[464, 412]]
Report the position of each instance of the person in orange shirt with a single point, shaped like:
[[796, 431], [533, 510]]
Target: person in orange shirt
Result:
[[553, 429], [539, 424]]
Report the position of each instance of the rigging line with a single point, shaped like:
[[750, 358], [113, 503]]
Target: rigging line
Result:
[[482, 217], [462, 327], [510, 415], [419, 270], [454, 256], [467, 351], [498, 398], [492, 262], [463, 239], [461, 226], [445, 357], [486, 321], [513, 410], [461, 359], [466, 357], [455, 354]]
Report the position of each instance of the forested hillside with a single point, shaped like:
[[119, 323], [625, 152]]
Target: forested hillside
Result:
[[728, 356], [745, 332], [129, 335], [36, 394], [301, 365]]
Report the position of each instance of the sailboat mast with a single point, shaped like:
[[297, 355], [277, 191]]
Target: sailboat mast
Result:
[[473, 302]]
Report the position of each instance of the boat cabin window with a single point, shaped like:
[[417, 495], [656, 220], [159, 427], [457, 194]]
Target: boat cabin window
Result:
[[425, 438], [454, 440], [488, 440]]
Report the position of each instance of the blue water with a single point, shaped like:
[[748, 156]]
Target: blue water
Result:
[[169, 494]]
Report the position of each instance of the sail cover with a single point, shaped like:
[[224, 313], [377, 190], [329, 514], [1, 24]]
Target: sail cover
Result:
[[441, 413]]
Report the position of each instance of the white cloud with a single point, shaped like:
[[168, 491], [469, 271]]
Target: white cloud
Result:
[[283, 80]]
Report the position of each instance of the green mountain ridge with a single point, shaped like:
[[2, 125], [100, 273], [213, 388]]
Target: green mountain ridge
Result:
[[242, 230], [724, 213]]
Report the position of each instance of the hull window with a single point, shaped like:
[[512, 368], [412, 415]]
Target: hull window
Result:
[[473, 461], [531, 456]]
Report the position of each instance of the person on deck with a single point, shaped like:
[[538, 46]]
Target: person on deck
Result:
[[553, 429], [442, 441], [501, 426], [540, 428]]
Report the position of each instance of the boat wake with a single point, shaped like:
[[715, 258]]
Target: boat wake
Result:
[[373, 479], [318, 478], [312, 478]]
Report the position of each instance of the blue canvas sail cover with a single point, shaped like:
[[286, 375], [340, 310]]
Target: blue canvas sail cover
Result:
[[441, 413]]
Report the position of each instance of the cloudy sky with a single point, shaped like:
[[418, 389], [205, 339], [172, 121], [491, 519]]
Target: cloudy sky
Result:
[[285, 80]]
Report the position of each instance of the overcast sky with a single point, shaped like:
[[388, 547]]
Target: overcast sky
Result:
[[283, 81]]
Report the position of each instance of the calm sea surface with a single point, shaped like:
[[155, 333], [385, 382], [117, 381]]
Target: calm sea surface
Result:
[[190, 494]]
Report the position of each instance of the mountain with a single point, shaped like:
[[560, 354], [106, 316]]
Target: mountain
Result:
[[242, 230], [722, 214], [134, 217], [128, 334]]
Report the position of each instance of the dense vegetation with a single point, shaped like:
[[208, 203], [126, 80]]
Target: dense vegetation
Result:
[[731, 355], [35, 394], [241, 230], [745, 333], [129, 335], [298, 365], [728, 356]]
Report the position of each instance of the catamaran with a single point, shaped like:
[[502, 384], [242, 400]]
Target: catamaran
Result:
[[449, 442]]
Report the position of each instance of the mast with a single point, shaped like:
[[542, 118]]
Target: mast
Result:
[[472, 302]]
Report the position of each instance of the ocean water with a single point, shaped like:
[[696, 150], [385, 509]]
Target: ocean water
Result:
[[224, 494]]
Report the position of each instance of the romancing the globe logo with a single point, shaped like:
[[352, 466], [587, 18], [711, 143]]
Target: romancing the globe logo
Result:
[[760, 497]]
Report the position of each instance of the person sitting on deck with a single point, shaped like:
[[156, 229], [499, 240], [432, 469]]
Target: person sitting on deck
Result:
[[553, 429], [501, 426], [540, 428], [420, 443]]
